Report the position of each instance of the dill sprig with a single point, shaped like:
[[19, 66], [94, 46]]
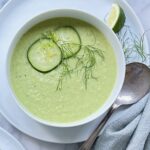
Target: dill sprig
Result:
[[66, 71], [133, 45], [85, 62]]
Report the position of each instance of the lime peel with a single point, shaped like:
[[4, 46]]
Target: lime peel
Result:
[[116, 18]]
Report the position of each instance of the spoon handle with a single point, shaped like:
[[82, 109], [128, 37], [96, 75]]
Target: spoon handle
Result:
[[87, 145]]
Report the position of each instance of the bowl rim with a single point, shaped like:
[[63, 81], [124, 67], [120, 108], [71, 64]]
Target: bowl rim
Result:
[[94, 115]]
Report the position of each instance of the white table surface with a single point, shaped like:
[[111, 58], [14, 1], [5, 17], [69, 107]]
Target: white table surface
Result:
[[142, 8]]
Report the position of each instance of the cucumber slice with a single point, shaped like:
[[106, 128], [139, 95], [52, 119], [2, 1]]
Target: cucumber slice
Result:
[[44, 55], [68, 40]]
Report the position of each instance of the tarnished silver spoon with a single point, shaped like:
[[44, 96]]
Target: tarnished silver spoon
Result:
[[135, 87]]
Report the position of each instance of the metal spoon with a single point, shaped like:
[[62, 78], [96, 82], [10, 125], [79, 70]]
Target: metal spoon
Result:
[[135, 87]]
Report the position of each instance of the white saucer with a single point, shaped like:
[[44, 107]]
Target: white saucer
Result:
[[12, 17], [8, 142]]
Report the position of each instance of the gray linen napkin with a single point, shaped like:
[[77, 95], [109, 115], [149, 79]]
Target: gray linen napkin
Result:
[[2, 3], [127, 129]]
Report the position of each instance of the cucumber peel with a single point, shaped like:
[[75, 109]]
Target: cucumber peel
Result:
[[44, 55], [69, 41]]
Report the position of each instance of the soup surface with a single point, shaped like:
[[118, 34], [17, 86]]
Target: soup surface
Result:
[[63, 70]]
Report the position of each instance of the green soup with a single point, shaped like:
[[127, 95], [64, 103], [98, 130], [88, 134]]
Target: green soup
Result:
[[77, 87]]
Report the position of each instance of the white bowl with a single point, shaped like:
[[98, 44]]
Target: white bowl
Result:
[[111, 37]]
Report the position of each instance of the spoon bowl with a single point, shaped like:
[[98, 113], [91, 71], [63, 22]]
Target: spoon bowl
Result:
[[136, 84]]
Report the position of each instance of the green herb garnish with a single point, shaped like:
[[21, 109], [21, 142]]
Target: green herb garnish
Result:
[[87, 61], [85, 64], [133, 45]]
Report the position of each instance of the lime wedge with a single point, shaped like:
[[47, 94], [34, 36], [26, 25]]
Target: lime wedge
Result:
[[116, 18]]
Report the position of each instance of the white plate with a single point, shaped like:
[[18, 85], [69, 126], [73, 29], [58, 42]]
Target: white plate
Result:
[[8, 142], [12, 17]]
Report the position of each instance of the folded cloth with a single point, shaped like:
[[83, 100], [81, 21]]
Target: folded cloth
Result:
[[127, 129], [2, 2]]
